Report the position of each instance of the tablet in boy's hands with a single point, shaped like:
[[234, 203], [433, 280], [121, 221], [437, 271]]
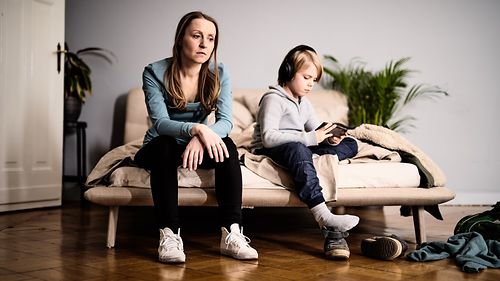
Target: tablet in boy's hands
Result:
[[338, 131]]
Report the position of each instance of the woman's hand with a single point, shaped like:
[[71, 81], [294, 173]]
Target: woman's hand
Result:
[[193, 155], [322, 133], [216, 148]]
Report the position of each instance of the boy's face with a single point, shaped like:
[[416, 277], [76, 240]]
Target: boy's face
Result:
[[303, 81]]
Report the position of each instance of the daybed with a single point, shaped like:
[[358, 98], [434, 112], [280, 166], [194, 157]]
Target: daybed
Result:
[[378, 179]]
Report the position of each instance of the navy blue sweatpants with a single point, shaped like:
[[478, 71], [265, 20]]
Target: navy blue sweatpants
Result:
[[297, 158]]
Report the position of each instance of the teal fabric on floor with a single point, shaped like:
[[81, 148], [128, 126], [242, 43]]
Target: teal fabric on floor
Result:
[[471, 252]]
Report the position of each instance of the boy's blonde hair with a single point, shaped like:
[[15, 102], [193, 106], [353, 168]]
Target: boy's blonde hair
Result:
[[297, 58], [302, 58]]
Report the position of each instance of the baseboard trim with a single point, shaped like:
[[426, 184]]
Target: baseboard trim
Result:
[[474, 198]]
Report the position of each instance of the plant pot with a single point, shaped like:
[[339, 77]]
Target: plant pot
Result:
[[72, 109]]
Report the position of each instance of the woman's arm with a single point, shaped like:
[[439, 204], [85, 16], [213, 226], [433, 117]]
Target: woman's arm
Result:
[[156, 104], [211, 136], [223, 116]]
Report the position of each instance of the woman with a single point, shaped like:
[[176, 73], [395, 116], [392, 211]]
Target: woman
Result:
[[180, 93]]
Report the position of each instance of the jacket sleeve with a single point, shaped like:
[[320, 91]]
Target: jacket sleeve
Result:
[[156, 103], [223, 116], [269, 117]]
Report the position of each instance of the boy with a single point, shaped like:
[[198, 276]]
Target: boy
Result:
[[288, 132]]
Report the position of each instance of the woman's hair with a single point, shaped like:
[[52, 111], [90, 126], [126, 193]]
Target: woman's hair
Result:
[[208, 82], [295, 60]]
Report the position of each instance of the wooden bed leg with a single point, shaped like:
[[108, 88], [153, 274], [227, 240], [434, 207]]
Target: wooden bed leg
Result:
[[339, 210], [112, 224], [419, 224]]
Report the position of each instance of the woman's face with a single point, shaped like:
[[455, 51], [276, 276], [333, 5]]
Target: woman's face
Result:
[[198, 41], [303, 80]]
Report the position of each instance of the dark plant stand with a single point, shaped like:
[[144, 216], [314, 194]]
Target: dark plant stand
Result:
[[81, 153]]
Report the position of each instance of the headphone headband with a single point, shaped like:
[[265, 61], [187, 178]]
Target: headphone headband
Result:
[[300, 48], [287, 67]]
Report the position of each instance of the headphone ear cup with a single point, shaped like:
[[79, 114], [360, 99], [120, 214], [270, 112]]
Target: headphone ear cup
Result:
[[289, 70]]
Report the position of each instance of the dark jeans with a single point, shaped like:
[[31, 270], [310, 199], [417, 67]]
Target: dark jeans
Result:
[[297, 158], [162, 156]]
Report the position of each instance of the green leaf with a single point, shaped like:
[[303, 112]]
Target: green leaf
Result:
[[378, 97], [77, 74]]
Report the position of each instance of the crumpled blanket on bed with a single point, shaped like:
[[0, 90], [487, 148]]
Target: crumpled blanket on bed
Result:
[[375, 144], [117, 168], [431, 174], [326, 167], [121, 156], [388, 146]]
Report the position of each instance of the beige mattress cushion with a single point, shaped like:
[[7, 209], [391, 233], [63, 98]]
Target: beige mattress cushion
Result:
[[380, 174]]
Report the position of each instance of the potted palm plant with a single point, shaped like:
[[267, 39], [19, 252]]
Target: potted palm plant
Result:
[[77, 83], [378, 97]]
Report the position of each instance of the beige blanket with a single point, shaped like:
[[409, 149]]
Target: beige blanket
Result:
[[116, 168], [326, 168], [431, 174], [118, 157], [388, 144], [326, 165]]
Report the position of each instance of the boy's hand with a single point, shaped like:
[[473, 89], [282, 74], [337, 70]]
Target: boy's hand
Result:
[[322, 132], [335, 140]]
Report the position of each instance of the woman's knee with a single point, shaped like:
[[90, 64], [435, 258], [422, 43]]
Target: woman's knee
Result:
[[158, 151], [164, 145], [231, 147], [229, 143]]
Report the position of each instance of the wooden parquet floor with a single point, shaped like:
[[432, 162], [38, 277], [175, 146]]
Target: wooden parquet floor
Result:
[[68, 243]]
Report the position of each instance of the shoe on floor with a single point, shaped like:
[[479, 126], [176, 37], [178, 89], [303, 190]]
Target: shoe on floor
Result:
[[335, 246], [236, 245], [171, 249], [383, 247]]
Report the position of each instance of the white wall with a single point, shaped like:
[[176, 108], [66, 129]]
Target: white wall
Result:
[[452, 43]]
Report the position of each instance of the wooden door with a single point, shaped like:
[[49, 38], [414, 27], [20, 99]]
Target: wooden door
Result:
[[31, 103]]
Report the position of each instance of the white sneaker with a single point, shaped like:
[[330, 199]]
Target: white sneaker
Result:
[[171, 249], [235, 244]]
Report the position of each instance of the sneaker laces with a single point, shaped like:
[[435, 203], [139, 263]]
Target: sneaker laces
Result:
[[334, 234], [171, 241], [238, 239]]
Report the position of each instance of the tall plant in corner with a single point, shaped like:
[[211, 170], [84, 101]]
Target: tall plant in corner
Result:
[[77, 82], [378, 97]]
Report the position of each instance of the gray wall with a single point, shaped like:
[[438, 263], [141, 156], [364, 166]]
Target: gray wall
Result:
[[452, 43]]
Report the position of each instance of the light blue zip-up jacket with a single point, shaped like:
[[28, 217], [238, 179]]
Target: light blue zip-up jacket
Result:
[[282, 120], [175, 123]]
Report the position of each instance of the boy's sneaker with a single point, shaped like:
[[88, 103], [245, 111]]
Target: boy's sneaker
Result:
[[335, 246], [383, 247], [236, 245], [171, 249]]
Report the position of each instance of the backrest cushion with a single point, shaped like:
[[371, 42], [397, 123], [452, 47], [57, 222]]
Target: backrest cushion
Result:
[[330, 106], [136, 116]]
